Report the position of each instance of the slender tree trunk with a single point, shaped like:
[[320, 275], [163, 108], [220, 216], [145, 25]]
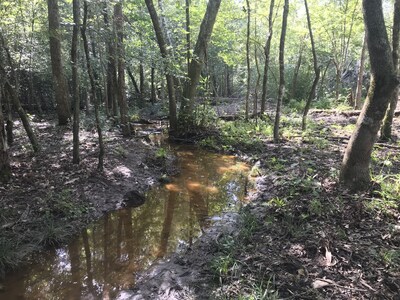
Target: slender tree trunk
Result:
[[5, 168], [123, 106], [317, 71], [75, 80], [153, 86], [321, 86], [386, 130], [197, 61], [248, 61], [9, 119], [111, 69], [267, 49], [32, 94], [355, 171], [141, 82], [296, 72], [13, 95], [100, 164], [59, 81], [133, 80], [23, 116], [281, 91], [357, 100], [188, 46], [164, 53]]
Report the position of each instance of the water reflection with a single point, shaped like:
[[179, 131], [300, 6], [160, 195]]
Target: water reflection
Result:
[[108, 254]]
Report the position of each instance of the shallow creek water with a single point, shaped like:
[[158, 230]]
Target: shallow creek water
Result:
[[107, 255]]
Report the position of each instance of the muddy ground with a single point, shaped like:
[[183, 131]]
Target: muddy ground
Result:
[[49, 199], [302, 236]]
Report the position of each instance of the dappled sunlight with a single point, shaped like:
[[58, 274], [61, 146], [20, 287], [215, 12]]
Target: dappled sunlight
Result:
[[103, 260], [122, 171], [172, 187]]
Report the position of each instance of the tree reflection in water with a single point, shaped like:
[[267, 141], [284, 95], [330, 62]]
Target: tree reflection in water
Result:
[[108, 254]]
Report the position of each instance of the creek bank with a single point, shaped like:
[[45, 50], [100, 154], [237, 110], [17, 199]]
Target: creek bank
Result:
[[49, 200], [309, 238]]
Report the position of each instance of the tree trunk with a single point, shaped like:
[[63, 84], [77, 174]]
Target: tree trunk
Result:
[[59, 81], [133, 80], [141, 82], [355, 171], [357, 100], [317, 71], [5, 168], [248, 61], [111, 69], [188, 46], [100, 164], [123, 106], [386, 130], [75, 80], [153, 86], [24, 118], [281, 91], [197, 61], [267, 49], [296, 72], [164, 53]]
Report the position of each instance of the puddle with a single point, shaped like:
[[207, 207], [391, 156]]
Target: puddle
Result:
[[106, 256]]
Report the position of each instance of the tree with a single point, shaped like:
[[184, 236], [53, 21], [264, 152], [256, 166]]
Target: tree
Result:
[[386, 130], [199, 54], [5, 168], [59, 81], [173, 123], [123, 106], [281, 91], [360, 77], [248, 60], [355, 166], [75, 85], [317, 70], [100, 164], [267, 49]]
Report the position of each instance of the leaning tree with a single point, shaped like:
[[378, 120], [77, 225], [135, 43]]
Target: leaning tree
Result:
[[355, 171]]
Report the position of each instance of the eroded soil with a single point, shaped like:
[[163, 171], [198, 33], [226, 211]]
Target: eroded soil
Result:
[[302, 237]]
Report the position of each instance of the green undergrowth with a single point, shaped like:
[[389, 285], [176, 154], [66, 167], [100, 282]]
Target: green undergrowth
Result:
[[311, 227], [226, 266]]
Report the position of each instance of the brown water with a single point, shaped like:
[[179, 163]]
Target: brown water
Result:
[[106, 256]]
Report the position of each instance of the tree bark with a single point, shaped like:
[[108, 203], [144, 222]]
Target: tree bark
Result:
[[5, 168], [267, 49], [59, 81], [296, 72], [357, 100], [133, 80], [386, 130], [248, 61], [355, 171], [281, 91], [198, 58], [75, 79], [123, 106], [164, 53], [317, 71], [100, 164], [111, 68], [24, 118]]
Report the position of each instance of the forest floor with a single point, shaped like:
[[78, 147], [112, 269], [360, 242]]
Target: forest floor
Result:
[[301, 237], [49, 199]]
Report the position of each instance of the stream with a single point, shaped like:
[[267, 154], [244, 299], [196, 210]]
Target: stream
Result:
[[107, 255]]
